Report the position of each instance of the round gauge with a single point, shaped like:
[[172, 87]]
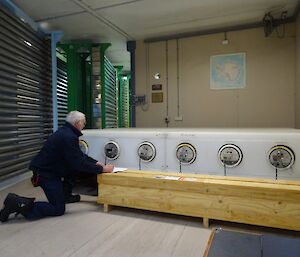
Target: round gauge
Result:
[[281, 157], [186, 153], [111, 150], [230, 155], [146, 151], [84, 147]]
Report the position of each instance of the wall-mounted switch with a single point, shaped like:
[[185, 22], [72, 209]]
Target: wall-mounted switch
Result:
[[178, 118]]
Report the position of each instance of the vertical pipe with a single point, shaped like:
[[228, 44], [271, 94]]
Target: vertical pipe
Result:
[[87, 102], [55, 37], [73, 74], [178, 92], [131, 46], [167, 85]]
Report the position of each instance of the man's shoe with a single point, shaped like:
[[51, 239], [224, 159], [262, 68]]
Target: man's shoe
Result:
[[72, 199], [9, 206], [15, 204], [4, 214]]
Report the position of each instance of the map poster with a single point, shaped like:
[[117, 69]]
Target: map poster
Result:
[[228, 71]]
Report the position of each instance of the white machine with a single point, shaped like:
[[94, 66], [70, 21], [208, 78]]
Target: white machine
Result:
[[130, 148], [265, 153]]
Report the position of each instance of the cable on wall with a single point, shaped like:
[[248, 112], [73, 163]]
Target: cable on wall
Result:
[[145, 107], [177, 63], [167, 120]]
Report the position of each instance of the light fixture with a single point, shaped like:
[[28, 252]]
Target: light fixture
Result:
[[156, 75], [225, 40], [27, 43]]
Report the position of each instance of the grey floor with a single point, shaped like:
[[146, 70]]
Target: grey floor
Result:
[[86, 231]]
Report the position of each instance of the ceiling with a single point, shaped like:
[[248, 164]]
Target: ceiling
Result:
[[118, 21]]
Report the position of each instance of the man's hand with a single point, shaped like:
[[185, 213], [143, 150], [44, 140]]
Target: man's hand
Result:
[[100, 164], [108, 168]]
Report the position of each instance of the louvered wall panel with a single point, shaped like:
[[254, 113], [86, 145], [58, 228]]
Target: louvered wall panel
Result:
[[111, 115], [125, 104], [25, 94], [62, 91]]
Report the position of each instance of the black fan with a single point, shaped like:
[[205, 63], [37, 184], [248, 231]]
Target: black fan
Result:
[[268, 22]]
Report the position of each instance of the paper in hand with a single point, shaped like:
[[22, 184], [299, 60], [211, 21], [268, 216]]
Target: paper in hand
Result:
[[118, 169]]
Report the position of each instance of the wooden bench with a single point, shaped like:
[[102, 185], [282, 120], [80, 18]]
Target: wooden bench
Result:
[[262, 202]]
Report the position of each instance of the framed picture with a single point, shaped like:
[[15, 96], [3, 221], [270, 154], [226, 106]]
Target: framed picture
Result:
[[228, 71]]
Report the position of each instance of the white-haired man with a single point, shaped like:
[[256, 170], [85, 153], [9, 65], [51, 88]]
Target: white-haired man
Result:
[[60, 158]]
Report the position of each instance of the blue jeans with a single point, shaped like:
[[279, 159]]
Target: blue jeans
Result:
[[53, 189]]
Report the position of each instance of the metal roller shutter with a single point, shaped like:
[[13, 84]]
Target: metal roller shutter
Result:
[[25, 94], [62, 91]]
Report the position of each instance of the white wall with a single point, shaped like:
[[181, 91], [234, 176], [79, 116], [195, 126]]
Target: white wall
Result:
[[267, 101]]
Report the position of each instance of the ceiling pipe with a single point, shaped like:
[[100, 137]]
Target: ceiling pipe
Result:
[[209, 31], [253, 25]]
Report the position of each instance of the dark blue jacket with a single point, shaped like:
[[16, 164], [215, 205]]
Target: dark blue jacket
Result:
[[62, 157]]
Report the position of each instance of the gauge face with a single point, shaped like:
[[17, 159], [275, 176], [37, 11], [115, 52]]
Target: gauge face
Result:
[[111, 150], [186, 153], [146, 151], [230, 155], [84, 147], [281, 157]]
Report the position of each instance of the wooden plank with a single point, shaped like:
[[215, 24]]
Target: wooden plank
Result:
[[269, 203], [141, 173], [209, 243], [215, 185]]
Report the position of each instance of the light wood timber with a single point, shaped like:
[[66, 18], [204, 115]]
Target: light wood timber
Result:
[[265, 202], [107, 208], [210, 240], [205, 222]]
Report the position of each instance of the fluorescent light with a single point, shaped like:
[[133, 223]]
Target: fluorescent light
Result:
[[27, 43]]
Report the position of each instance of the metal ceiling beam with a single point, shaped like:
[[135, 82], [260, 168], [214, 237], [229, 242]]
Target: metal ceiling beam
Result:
[[80, 12], [102, 19]]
